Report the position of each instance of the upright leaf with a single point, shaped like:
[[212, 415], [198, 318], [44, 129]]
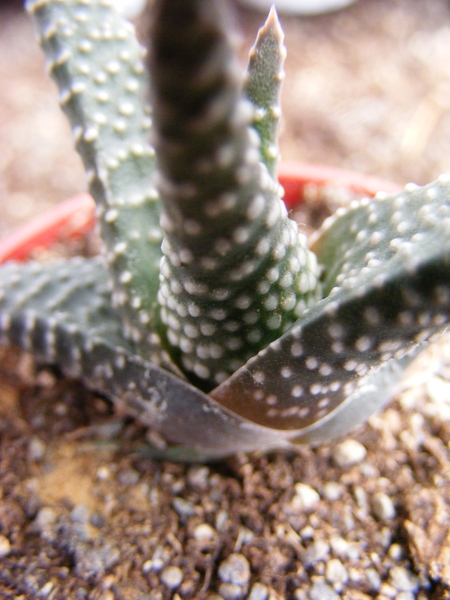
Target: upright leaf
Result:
[[96, 61], [236, 272]]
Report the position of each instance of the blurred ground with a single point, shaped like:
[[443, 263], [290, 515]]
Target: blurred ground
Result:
[[367, 88]]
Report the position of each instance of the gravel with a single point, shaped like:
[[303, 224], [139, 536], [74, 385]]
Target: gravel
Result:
[[383, 507], [403, 580], [36, 449], [316, 552], [5, 546], [235, 569], [259, 591], [305, 499], [335, 572], [172, 577], [332, 491], [320, 590], [349, 453]]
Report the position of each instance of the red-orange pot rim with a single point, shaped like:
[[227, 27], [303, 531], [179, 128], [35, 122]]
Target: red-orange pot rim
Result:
[[74, 217]]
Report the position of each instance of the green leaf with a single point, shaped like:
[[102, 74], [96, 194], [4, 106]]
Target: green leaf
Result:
[[96, 61], [236, 272], [387, 271]]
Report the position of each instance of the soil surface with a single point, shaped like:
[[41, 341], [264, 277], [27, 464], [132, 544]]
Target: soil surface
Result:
[[84, 514]]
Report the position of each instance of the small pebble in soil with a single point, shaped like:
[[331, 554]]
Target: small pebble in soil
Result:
[[94, 561], [405, 596], [403, 580], [235, 569], [339, 546], [107, 595], [97, 520], [230, 591], [45, 590], [349, 453], [320, 590], [335, 572], [128, 477], [258, 592], [204, 533], [395, 552], [332, 491], [373, 579], [44, 520], [183, 507], [305, 498], [315, 553], [387, 591], [361, 499], [221, 520], [80, 514], [5, 546], [245, 536], [382, 506], [160, 558], [172, 577], [36, 449], [103, 473], [198, 477], [307, 533]]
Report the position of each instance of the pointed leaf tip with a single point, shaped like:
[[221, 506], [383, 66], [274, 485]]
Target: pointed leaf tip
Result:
[[273, 22], [264, 78]]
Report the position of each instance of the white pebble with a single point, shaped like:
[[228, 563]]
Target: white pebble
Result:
[[383, 507], [235, 569], [349, 453], [315, 553], [258, 592], [335, 572], [395, 552], [230, 591], [333, 490], [403, 580], [36, 449], [5, 546], [339, 546], [204, 533], [44, 520], [319, 590], [305, 499], [171, 577]]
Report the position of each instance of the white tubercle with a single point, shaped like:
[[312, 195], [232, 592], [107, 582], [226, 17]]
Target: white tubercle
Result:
[[130, 9]]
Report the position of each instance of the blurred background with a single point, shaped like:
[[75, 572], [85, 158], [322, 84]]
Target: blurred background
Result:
[[367, 88]]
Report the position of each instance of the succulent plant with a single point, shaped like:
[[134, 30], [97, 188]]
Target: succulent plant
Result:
[[209, 316]]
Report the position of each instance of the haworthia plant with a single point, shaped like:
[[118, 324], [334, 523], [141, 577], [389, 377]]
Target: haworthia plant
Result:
[[209, 317]]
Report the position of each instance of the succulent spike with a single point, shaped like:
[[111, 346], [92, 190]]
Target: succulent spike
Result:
[[236, 272], [264, 78], [96, 62], [386, 272]]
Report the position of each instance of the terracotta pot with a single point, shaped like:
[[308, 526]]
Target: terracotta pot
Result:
[[76, 216], [65, 221]]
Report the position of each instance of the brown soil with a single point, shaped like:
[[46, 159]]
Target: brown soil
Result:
[[84, 514]]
